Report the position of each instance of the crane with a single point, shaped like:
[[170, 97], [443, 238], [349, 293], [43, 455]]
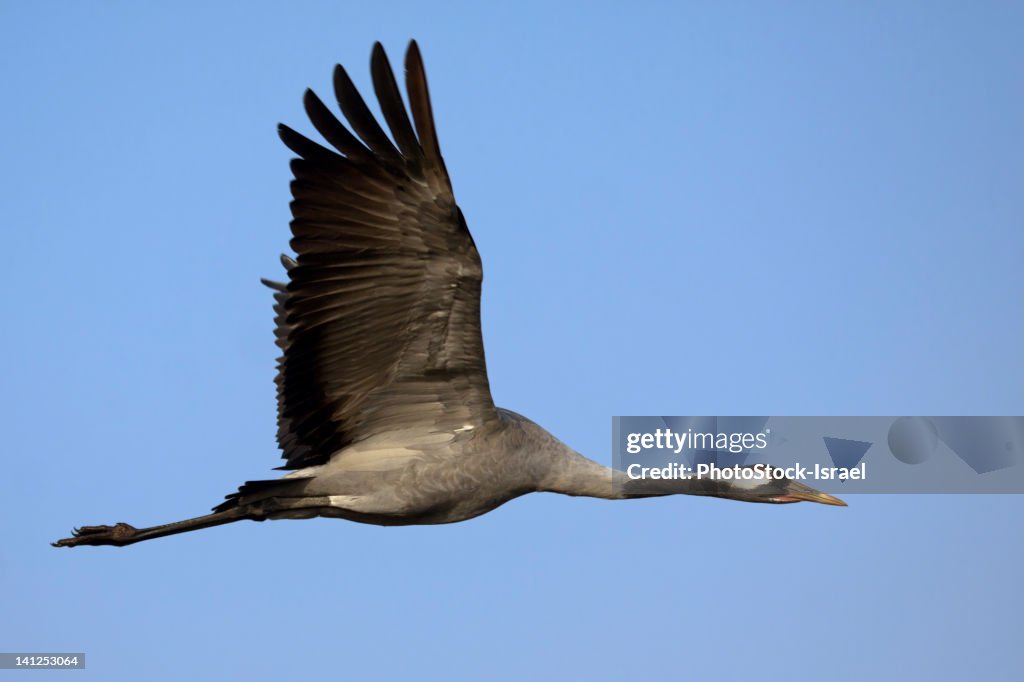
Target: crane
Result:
[[385, 413]]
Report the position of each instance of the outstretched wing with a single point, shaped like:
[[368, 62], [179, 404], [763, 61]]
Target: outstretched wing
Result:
[[380, 318]]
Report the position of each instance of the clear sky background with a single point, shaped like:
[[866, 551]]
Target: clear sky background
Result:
[[682, 208]]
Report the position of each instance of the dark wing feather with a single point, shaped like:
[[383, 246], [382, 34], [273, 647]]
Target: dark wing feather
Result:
[[391, 105], [380, 319]]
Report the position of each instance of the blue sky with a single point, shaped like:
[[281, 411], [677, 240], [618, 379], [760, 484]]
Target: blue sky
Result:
[[683, 208]]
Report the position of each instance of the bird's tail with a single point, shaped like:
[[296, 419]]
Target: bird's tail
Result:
[[253, 491]]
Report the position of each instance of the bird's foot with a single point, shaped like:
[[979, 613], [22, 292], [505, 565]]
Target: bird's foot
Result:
[[119, 534]]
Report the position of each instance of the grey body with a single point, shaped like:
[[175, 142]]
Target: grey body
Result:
[[385, 413], [441, 478]]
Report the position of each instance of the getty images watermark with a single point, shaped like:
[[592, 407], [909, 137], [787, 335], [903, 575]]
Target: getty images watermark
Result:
[[736, 442], [839, 454]]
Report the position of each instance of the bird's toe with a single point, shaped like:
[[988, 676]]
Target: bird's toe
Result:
[[92, 530], [97, 535]]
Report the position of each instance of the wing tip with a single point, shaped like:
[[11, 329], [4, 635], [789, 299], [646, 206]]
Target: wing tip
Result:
[[342, 81], [413, 51]]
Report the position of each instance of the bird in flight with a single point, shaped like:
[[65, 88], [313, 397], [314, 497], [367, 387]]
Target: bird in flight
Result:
[[385, 414]]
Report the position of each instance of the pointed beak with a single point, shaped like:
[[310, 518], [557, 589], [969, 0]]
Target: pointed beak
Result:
[[798, 492], [817, 496]]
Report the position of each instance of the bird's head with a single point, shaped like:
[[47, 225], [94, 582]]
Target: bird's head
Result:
[[769, 484]]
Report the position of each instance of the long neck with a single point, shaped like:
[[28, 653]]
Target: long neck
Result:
[[573, 474], [546, 464], [570, 473]]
